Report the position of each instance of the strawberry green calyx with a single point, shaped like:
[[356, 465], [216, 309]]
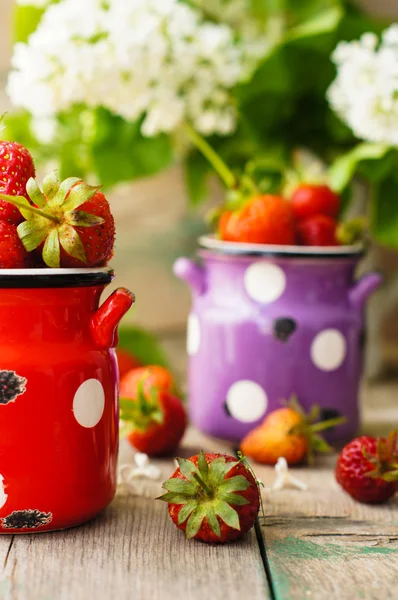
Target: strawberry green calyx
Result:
[[385, 462], [352, 232], [53, 217], [140, 413], [310, 426], [206, 493]]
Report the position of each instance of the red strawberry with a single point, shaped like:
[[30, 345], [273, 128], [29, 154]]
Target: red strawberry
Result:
[[367, 468], [212, 497], [16, 168], [72, 221], [158, 420], [148, 376], [309, 200], [318, 230], [12, 253], [262, 220]]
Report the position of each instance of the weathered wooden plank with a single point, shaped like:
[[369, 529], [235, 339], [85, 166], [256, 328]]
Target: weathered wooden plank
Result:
[[322, 544], [134, 551]]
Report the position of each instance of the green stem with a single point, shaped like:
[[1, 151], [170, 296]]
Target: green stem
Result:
[[211, 155], [22, 204], [202, 484], [327, 424]]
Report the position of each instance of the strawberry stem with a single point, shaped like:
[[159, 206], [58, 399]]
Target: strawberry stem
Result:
[[22, 204], [202, 484], [327, 424], [211, 155]]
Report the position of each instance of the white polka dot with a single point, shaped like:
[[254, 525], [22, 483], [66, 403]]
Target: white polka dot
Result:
[[265, 282], [246, 401], [89, 403], [193, 335], [328, 350], [3, 495]]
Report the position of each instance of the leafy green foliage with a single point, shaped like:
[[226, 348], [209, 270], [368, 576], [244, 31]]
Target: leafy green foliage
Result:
[[143, 345], [120, 152], [282, 107]]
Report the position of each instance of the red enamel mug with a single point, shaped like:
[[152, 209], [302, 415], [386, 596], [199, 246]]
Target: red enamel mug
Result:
[[58, 396]]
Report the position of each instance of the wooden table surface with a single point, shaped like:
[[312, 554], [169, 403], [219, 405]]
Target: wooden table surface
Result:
[[314, 544]]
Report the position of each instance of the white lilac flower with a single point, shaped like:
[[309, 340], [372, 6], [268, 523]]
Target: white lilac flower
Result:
[[365, 91], [141, 59]]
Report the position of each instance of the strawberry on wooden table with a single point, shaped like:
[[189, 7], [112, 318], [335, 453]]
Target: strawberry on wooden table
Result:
[[288, 432], [70, 222], [16, 168], [212, 497], [156, 420], [367, 468]]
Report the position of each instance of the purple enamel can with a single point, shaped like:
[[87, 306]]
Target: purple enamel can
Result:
[[268, 322]]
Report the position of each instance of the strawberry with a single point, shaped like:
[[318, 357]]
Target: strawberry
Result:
[[318, 230], [261, 220], [367, 468], [126, 362], [157, 420], [212, 497], [290, 433], [310, 199], [152, 376], [12, 253], [16, 168], [71, 220]]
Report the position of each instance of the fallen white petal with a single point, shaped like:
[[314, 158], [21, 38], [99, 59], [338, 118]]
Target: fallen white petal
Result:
[[284, 478]]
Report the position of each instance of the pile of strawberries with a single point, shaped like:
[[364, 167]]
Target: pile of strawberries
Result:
[[67, 224], [308, 218]]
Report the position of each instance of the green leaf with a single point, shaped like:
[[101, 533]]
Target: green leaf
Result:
[[196, 170], [185, 511], [51, 250], [239, 483], [227, 514], [73, 197], [80, 218], [325, 21], [64, 189], [31, 235], [35, 193], [318, 444], [231, 498], [391, 476], [175, 498], [181, 486], [218, 469], [187, 467], [195, 521], [51, 184], [213, 521], [384, 212], [143, 345], [346, 166], [71, 242], [202, 465], [121, 153]]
